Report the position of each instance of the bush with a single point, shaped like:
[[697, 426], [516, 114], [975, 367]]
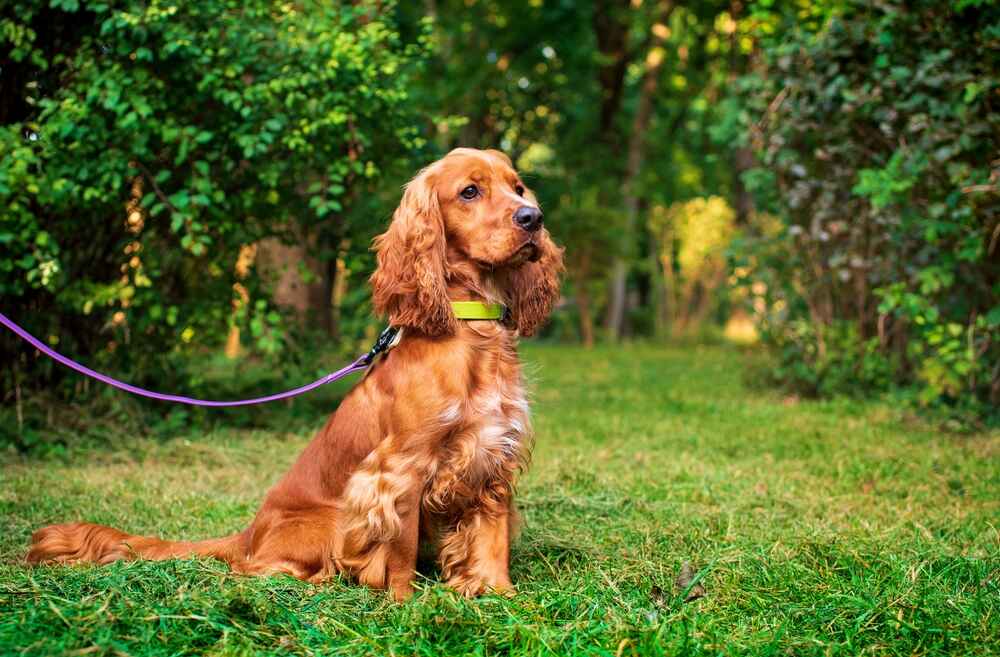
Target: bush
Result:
[[877, 142], [143, 144], [840, 363]]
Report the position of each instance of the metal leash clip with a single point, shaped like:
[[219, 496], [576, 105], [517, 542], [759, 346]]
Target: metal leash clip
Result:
[[385, 341]]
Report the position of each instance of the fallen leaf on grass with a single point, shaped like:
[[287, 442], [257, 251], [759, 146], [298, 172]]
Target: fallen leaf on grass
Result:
[[683, 581]]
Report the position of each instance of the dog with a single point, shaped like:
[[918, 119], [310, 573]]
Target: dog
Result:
[[425, 449]]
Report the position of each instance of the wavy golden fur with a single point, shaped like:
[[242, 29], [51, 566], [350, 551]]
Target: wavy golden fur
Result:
[[427, 445]]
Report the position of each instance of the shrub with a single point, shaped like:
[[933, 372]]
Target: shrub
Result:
[[877, 143], [142, 144]]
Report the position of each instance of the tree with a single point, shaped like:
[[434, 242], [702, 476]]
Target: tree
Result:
[[143, 144], [636, 151]]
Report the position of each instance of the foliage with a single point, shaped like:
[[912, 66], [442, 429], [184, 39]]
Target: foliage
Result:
[[144, 146], [817, 528], [877, 134], [693, 238], [558, 86], [143, 143]]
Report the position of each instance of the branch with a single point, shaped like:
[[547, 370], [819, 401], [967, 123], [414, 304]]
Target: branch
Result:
[[156, 188]]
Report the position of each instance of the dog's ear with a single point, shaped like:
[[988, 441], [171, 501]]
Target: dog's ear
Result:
[[409, 282], [533, 288]]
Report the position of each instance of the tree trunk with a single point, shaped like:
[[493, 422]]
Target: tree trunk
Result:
[[615, 321], [658, 290], [636, 148], [743, 158], [581, 280], [328, 318], [611, 30], [244, 261], [709, 284], [299, 280], [669, 291]]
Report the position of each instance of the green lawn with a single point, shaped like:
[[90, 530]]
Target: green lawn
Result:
[[834, 527]]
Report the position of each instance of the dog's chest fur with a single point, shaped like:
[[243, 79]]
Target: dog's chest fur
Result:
[[490, 438], [499, 427]]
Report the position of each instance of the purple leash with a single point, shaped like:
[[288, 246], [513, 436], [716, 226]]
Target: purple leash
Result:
[[362, 362]]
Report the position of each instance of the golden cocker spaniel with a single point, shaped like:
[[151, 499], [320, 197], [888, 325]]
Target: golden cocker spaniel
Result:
[[427, 445]]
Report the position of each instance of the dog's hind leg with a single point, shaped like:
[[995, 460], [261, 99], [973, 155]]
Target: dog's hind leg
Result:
[[378, 528]]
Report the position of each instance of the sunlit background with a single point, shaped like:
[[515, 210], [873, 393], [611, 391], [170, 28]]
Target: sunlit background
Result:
[[189, 191]]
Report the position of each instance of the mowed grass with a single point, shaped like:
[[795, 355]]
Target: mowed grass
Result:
[[836, 527]]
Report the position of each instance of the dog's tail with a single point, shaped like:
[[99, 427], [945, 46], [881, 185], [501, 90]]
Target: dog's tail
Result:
[[83, 542]]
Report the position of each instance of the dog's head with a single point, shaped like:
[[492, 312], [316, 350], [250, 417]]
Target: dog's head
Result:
[[468, 215]]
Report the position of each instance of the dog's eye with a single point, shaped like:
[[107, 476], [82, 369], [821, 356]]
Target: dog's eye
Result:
[[519, 189], [469, 192]]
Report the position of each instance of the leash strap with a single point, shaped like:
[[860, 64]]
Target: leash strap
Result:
[[388, 339], [358, 365]]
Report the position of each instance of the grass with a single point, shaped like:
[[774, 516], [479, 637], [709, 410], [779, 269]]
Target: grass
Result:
[[824, 528]]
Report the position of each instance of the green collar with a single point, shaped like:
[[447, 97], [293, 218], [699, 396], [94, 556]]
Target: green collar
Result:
[[478, 310]]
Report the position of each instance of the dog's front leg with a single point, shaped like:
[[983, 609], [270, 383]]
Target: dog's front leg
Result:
[[401, 565], [475, 552]]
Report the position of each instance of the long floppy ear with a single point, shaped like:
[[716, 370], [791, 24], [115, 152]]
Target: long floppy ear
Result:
[[409, 282], [533, 288]]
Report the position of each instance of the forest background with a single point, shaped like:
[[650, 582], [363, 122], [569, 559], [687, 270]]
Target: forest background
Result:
[[189, 190]]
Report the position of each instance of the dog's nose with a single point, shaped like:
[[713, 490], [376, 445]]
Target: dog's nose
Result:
[[528, 218]]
